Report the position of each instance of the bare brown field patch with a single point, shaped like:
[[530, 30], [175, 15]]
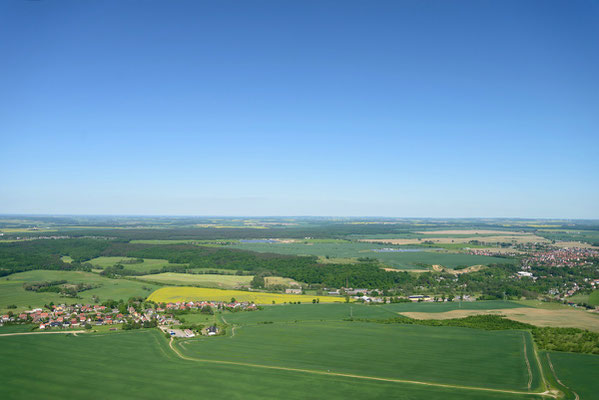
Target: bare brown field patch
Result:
[[534, 316], [472, 232]]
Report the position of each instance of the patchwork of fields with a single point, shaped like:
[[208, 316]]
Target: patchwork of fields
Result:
[[347, 250], [12, 291]]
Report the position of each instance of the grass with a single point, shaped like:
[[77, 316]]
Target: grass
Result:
[[12, 291], [346, 251], [493, 359], [577, 371], [594, 298], [140, 365], [175, 294], [203, 280], [148, 265]]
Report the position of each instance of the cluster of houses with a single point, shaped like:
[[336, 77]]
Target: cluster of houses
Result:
[[570, 257], [65, 316], [198, 305], [76, 315]]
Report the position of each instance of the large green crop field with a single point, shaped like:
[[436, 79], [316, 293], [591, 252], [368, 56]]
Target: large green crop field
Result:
[[493, 359], [352, 250], [140, 365], [578, 372], [13, 293]]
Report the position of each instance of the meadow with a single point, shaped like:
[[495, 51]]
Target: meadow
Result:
[[204, 280], [140, 365], [181, 293], [13, 293], [148, 264], [345, 251]]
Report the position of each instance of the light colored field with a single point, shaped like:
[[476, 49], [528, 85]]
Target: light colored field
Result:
[[534, 316], [278, 280], [66, 259], [446, 240], [176, 294], [205, 280], [472, 232]]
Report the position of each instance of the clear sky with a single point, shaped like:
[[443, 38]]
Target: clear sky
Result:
[[370, 108]]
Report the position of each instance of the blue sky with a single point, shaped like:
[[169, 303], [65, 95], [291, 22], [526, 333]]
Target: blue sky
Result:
[[398, 108]]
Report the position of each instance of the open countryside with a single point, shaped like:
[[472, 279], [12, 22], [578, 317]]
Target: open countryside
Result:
[[299, 200]]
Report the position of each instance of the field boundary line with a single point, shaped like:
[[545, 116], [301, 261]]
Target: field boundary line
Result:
[[373, 378], [40, 333], [557, 379]]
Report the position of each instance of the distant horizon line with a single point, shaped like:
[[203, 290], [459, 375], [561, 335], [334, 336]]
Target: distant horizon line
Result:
[[287, 216]]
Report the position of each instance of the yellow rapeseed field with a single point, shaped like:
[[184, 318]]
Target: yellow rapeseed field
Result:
[[185, 293]]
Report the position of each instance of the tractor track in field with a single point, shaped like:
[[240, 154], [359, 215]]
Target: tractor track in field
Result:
[[547, 393], [527, 362], [576, 397]]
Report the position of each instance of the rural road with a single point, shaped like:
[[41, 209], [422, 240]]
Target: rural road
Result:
[[40, 333], [309, 371]]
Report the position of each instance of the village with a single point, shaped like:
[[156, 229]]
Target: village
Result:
[[88, 316]]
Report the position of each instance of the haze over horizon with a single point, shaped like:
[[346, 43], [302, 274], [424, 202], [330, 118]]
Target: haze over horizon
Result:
[[262, 108]]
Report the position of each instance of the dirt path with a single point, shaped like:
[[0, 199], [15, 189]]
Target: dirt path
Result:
[[527, 362], [557, 379], [41, 333], [373, 378]]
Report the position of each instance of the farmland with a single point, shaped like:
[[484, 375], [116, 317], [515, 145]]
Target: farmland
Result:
[[12, 291], [476, 358], [204, 280], [174, 294], [338, 312], [535, 316], [140, 365], [577, 372], [402, 258], [148, 264]]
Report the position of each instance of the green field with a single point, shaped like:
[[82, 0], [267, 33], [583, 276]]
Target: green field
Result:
[[343, 249], [12, 291], [140, 365], [202, 280], [148, 265], [493, 359], [340, 311], [578, 372]]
